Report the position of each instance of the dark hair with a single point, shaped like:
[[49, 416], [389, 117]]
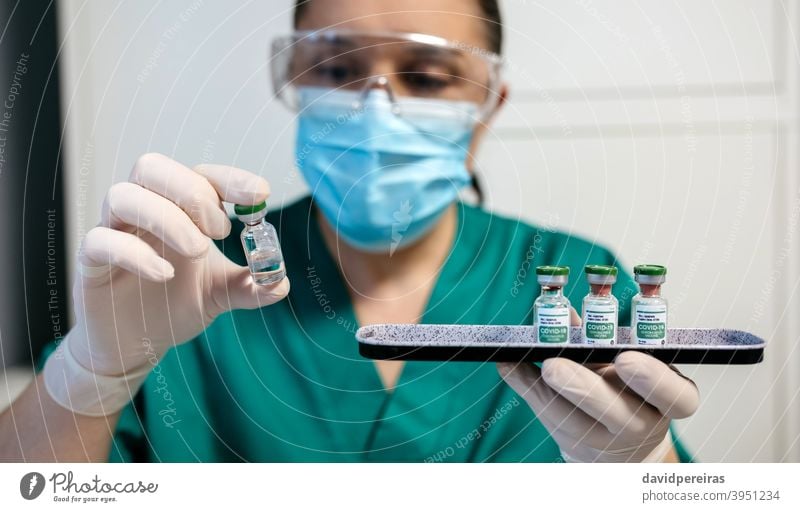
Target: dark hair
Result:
[[489, 8]]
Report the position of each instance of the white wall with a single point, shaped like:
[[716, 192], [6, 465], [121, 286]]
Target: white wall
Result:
[[666, 130]]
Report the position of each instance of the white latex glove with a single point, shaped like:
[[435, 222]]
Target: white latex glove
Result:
[[149, 277], [617, 412]]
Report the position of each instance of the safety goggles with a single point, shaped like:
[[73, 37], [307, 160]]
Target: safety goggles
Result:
[[413, 68]]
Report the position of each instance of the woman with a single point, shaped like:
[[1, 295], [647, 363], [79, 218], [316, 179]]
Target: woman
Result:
[[392, 97]]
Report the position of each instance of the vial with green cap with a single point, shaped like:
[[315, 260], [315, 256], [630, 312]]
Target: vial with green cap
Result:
[[551, 308], [600, 308], [260, 242], [649, 308]]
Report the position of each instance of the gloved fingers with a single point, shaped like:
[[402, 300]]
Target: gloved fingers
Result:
[[128, 204], [656, 422], [189, 190], [602, 399], [104, 248], [554, 411], [235, 185], [574, 318], [233, 288], [671, 393]]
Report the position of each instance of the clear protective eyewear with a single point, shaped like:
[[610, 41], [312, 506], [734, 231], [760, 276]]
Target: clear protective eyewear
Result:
[[415, 70]]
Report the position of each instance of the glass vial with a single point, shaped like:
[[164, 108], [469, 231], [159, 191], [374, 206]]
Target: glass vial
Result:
[[551, 308], [600, 308], [649, 322], [260, 243]]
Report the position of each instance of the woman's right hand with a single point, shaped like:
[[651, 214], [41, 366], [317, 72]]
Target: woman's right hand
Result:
[[149, 276]]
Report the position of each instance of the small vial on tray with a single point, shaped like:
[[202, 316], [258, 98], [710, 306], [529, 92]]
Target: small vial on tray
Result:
[[261, 245], [600, 308], [649, 315], [551, 308]]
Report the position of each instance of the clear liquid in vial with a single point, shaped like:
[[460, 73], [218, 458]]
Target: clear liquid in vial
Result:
[[266, 266]]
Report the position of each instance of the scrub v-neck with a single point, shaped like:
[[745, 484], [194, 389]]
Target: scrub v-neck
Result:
[[398, 411]]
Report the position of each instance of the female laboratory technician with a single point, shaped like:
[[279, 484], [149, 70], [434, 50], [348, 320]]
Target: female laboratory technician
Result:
[[177, 355]]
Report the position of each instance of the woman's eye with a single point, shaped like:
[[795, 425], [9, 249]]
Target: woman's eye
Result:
[[334, 73], [426, 82]]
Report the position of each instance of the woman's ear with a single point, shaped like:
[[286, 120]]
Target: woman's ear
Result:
[[483, 126], [502, 96]]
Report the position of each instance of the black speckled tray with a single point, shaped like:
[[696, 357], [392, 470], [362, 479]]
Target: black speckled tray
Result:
[[430, 342]]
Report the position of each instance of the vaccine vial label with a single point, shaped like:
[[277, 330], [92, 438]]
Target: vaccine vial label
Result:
[[650, 325], [600, 325], [553, 325]]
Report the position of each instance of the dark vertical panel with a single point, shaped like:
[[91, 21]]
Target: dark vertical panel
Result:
[[32, 238]]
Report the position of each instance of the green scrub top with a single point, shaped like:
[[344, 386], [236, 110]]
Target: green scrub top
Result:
[[286, 382]]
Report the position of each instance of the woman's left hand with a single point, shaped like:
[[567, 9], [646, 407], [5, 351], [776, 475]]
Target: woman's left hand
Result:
[[618, 412]]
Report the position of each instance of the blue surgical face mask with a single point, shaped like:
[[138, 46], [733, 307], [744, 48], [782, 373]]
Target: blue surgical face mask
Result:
[[382, 172]]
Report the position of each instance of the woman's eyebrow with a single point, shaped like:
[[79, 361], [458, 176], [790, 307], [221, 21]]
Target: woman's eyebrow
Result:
[[419, 50]]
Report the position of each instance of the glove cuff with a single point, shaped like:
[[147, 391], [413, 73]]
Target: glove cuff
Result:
[[657, 454], [660, 452], [81, 391]]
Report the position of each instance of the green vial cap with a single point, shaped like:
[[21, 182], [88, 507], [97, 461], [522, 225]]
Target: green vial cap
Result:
[[551, 270], [650, 270], [601, 270], [249, 209]]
